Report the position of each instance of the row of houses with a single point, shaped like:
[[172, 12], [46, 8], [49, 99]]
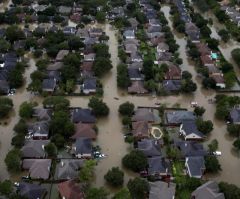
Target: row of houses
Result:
[[34, 156], [208, 58], [156, 40]]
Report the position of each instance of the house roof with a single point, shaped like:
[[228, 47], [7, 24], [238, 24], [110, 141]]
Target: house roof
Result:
[[31, 191], [48, 84], [53, 74], [39, 128], [162, 46], [206, 59], [149, 147], [70, 190], [4, 87], [42, 113], [34, 148], [133, 21], [134, 72], [90, 83], [218, 78], [145, 114], [162, 190], [87, 66], [189, 148], [195, 166], [129, 33], [203, 49], [84, 130], [64, 9], [55, 66], [178, 116], [38, 168], [137, 87], [155, 40], [208, 190], [173, 72], [68, 168], [83, 146], [171, 85], [190, 127], [83, 115], [61, 54], [140, 128], [235, 115], [158, 164], [130, 48], [213, 70], [163, 56]]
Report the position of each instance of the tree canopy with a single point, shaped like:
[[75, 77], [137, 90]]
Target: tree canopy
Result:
[[98, 107], [138, 188], [96, 193], [6, 106], [135, 160], [114, 177], [212, 164], [13, 160], [26, 110], [86, 173], [126, 109]]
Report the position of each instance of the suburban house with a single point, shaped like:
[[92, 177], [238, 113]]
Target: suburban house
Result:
[[195, 166], [136, 57], [234, 115], [219, 79], [163, 56], [38, 168], [31, 191], [171, 85], [82, 148], [135, 74], [203, 49], [86, 68], [149, 147], [173, 73], [61, 54], [141, 129], [190, 148], [158, 166], [64, 10], [89, 85], [134, 23], [42, 114], [49, 85], [68, 169], [193, 32], [34, 149], [82, 115], [95, 32], [146, 114], [189, 130], [89, 57], [213, 70], [84, 130], [39, 130], [137, 87], [176, 117], [4, 87], [208, 190], [207, 60], [129, 34], [130, 48], [162, 47], [68, 30], [162, 190], [70, 190]]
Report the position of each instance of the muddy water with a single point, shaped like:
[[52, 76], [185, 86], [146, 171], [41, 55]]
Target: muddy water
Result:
[[6, 132], [229, 160], [6, 4]]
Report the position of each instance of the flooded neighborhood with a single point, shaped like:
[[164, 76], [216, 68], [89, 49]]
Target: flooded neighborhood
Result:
[[119, 99]]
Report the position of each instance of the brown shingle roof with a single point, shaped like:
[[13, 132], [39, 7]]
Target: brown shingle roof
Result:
[[70, 190], [140, 129], [84, 130]]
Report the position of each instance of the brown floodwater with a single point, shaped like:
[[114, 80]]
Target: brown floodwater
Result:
[[110, 136]]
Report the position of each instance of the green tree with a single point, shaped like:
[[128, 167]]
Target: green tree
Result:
[[51, 149], [100, 17], [13, 160], [148, 68], [204, 126], [56, 102], [61, 124], [212, 164], [13, 33], [6, 106], [58, 140], [126, 120], [199, 110], [114, 177], [188, 86], [26, 110], [234, 130], [135, 160], [98, 107], [138, 188], [15, 78], [236, 144], [230, 191], [213, 146], [75, 43], [236, 55], [126, 108], [21, 127], [224, 34], [70, 84], [96, 193], [86, 173], [123, 80], [6, 187], [122, 194], [4, 45], [101, 66], [18, 140]]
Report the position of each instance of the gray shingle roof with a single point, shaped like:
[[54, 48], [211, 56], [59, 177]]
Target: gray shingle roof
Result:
[[209, 190], [83, 146], [190, 127], [235, 115], [34, 148], [162, 190], [31, 191], [83, 115], [157, 164], [178, 116], [195, 165], [149, 147]]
